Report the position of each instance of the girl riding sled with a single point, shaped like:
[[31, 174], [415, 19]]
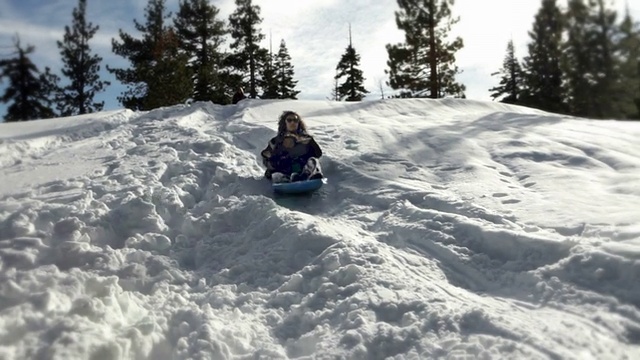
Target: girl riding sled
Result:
[[293, 154]]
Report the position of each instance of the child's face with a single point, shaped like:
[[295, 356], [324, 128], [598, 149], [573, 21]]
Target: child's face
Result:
[[292, 122]]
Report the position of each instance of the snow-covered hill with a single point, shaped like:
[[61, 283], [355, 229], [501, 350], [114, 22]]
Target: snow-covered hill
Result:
[[447, 229]]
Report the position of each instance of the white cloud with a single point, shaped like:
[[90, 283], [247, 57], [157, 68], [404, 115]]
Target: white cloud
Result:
[[42, 38], [317, 36]]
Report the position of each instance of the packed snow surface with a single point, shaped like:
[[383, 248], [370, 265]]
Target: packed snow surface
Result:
[[447, 229]]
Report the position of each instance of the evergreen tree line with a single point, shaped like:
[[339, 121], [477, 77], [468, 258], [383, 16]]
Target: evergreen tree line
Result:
[[181, 58], [581, 61], [40, 95], [177, 59]]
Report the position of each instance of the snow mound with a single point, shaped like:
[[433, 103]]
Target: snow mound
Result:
[[447, 229]]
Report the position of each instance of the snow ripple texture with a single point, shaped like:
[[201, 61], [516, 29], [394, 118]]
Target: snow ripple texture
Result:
[[448, 229]]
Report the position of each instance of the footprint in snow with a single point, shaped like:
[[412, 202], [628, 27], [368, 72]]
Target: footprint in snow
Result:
[[450, 168], [351, 144], [511, 201]]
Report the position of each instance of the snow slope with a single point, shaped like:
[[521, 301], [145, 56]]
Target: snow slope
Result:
[[447, 229]]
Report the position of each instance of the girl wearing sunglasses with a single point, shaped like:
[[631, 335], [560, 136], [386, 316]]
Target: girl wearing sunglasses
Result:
[[293, 154]]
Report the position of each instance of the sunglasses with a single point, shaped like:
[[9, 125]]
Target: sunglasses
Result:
[[292, 119]]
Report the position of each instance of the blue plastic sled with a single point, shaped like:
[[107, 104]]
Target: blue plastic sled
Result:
[[298, 187]]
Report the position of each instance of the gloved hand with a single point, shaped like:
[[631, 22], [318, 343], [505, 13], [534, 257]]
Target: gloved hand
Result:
[[303, 139]]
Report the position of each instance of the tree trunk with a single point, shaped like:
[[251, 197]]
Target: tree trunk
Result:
[[252, 76], [433, 62], [81, 95]]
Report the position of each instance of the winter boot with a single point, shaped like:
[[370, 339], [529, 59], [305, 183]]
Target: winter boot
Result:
[[278, 177]]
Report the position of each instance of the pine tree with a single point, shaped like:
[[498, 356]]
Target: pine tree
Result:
[[335, 92], [543, 87], [511, 78], [605, 96], [426, 61], [27, 88], [170, 79], [80, 66], [201, 37], [50, 84], [352, 89], [577, 64], [158, 68], [249, 58], [284, 74], [593, 62], [628, 52]]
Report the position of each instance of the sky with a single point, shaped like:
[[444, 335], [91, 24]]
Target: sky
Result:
[[446, 229], [316, 34]]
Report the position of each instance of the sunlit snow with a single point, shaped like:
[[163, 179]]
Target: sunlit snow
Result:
[[447, 229]]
